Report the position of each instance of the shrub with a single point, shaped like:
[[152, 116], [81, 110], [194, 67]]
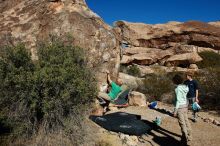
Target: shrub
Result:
[[156, 85], [210, 59], [131, 70], [50, 93], [209, 93]]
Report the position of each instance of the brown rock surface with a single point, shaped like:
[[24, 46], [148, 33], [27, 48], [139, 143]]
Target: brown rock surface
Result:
[[145, 56], [159, 35], [157, 69], [131, 81], [37, 20], [137, 99], [217, 23], [186, 58]]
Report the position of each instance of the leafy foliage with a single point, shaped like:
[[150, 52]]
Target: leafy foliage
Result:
[[131, 70], [209, 80], [46, 93], [210, 59], [156, 85]]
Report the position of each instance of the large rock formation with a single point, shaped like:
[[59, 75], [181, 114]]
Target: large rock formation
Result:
[[145, 56], [37, 20], [160, 35], [186, 58], [171, 47], [34, 21]]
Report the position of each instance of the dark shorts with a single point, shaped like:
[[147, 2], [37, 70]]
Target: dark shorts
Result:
[[191, 100]]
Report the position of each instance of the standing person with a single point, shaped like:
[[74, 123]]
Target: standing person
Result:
[[193, 92], [181, 109]]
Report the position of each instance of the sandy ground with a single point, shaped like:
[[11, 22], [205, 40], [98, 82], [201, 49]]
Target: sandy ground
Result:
[[168, 133]]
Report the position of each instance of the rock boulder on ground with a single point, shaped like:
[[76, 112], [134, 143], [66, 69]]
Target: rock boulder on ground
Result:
[[137, 99], [129, 140]]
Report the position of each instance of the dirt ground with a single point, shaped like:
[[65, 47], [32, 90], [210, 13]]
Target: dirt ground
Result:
[[168, 133]]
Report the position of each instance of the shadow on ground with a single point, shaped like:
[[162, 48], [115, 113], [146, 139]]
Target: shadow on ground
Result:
[[167, 138]]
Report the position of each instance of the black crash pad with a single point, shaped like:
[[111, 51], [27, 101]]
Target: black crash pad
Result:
[[122, 122]]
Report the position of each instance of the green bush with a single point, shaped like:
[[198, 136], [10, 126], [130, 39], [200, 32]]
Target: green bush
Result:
[[209, 93], [210, 59], [133, 70], [156, 85], [46, 93]]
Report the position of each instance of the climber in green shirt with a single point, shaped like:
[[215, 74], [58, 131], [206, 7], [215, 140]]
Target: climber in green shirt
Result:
[[115, 89]]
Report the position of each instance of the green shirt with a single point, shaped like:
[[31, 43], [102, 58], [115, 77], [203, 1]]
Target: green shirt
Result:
[[115, 90]]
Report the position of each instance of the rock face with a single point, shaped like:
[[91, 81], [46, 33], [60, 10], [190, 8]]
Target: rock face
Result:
[[171, 47], [157, 69], [137, 99], [37, 20], [186, 58], [130, 81], [145, 56], [217, 23], [159, 35]]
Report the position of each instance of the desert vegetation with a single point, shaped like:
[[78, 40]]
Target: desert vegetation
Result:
[[47, 96], [157, 86]]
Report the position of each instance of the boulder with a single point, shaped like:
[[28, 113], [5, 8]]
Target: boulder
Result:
[[193, 66], [29, 22], [137, 99], [209, 120], [97, 110], [129, 140], [131, 81], [180, 49], [157, 69], [141, 50], [216, 122], [142, 59], [183, 59], [145, 56]]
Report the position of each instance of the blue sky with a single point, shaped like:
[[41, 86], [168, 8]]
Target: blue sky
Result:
[[156, 11]]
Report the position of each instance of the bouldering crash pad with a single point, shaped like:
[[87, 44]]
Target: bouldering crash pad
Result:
[[122, 122]]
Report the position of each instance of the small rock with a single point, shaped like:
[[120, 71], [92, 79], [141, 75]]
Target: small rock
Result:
[[209, 120], [112, 108], [215, 122], [129, 140], [106, 56], [137, 99], [97, 111]]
